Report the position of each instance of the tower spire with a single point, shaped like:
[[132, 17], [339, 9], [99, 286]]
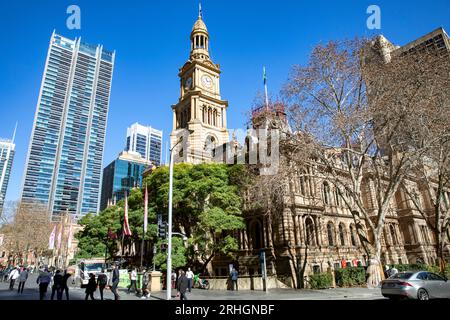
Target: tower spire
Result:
[[200, 9]]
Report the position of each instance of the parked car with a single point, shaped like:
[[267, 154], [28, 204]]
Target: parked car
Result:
[[422, 285]]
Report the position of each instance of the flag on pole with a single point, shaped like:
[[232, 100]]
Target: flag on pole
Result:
[[69, 239], [51, 241], [126, 226], [59, 238], [145, 209]]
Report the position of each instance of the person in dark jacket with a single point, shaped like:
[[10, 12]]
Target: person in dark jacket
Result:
[[65, 287], [43, 280], [115, 282], [183, 284], [57, 285], [234, 279], [102, 281], [91, 287]]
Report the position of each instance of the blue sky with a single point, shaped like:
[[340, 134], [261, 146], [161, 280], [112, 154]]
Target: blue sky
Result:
[[151, 39]]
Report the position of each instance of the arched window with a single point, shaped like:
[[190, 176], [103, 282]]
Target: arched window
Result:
[[330, 232], [352, 235], [310, 235], [215, 117], [342, 234], [209, 115], [326, 193], [302, 183], [337, 195], [393, 235]]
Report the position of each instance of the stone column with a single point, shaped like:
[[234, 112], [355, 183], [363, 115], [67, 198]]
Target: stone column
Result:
[[155, 285]]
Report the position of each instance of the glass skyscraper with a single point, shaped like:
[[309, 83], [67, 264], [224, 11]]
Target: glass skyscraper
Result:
[[64, 161], [147, 141], [122, 175], [7, 149]]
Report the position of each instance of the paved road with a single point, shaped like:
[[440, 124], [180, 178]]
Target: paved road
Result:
[[31, 292]]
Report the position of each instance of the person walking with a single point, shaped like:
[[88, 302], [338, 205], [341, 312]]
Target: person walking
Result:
[[145, 283], [182, 285], [91, 287], [174, 279], [189, 276], [43, 280], [65, 287], [102, 281], [234, 279], [57, 286], [133, 277], [13, 275], [115, 282], [22, 279]]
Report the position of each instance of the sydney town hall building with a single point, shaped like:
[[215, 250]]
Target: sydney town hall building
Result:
[[319, 215]]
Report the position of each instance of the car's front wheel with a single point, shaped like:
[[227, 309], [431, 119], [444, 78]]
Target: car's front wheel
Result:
[[422, 294]]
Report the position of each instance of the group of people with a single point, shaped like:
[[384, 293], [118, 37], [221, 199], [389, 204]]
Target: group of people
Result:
[[133, 274], [58, 281], [16, 274]]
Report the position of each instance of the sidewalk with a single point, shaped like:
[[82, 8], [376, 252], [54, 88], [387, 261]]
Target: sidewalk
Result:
[[280, 294]]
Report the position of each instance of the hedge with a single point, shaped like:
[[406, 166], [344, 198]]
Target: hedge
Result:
[[348, 277], [321, 281]]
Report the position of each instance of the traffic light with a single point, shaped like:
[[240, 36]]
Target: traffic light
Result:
[[162, 230]]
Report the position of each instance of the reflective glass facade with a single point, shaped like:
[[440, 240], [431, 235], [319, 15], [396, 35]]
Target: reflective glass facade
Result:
[[65, 155], [120, 176], [7, 150]]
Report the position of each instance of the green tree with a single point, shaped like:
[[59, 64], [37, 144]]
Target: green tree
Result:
[[206, 206]]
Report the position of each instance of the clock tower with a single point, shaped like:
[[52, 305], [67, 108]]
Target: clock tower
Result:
[[200, 114]]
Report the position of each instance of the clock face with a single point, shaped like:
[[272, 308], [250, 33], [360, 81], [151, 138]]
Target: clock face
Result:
[[207, 81], [188, 83]]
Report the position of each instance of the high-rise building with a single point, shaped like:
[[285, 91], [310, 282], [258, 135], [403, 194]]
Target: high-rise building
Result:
[[147, 141], [64, 162], [122, 175], [7, 150]]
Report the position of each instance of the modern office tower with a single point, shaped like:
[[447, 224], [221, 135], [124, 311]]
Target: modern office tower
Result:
[[145, 140], [7, 149], [64, 162], [122, 175]]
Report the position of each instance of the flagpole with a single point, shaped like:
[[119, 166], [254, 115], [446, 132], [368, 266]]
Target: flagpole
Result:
[[265, 88]]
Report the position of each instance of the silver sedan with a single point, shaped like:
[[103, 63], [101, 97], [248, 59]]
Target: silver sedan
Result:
[[422, 285]]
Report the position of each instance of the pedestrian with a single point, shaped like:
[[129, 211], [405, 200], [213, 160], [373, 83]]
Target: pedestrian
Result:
[[115, 282], [234, 278], [22, 279], [387, 271], [65, 287], [174, 279], [189, 276], [43, 280], [182, 285], [91, 287], [145, 283], [13, 275], [102, 281], [133, 277], [57, 286], [394, 271]]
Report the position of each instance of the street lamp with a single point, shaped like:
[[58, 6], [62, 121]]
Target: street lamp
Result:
[[169, 224]]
